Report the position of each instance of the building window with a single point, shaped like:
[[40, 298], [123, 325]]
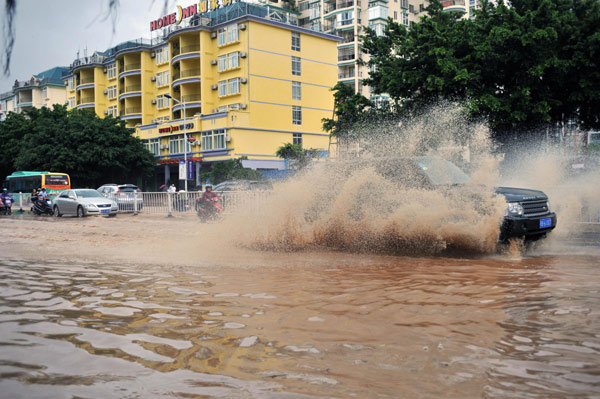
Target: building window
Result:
[[219, 139], [177, 144], [232, 33], [154, 146], [162, 55], [296, 115], [233, 60], [71, 102], [162, 78], [297, 139], [162, 102], [111, 70], [234, 85], [222, 63], [45, 92], [405, 18], [395, 15], [112, 111], [222, 37], [71, 85], [295, 41], [296, 91], [222, 88], [207, 142], [296, 66], [112, 92]]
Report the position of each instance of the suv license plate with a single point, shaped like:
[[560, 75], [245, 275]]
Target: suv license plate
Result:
[[547, 222]]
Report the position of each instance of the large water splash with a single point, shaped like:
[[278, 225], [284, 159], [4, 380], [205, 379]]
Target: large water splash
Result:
[[351, 204]]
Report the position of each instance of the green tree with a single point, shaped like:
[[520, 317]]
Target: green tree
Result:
[[299, 156], [232, 169], [349, 109], [521, 67], [90, 149]]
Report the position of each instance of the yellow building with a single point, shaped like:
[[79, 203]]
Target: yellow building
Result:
[[238, 80]]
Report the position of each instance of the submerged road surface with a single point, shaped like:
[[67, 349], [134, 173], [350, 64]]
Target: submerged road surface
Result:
[[149, 308]]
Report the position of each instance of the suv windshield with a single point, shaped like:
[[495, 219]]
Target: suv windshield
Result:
[[441, 172]]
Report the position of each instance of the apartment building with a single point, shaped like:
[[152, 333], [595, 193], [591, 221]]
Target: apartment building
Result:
[[237, 80], [42, 90]]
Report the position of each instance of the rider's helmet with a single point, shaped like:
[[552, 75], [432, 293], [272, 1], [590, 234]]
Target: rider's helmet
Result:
[[208, 186], [4, 189]]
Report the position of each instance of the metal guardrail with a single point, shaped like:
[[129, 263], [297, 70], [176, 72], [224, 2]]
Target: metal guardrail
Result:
[[182, 202]]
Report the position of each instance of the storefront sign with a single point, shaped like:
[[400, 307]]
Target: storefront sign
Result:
[[183, 13], [176, 128]]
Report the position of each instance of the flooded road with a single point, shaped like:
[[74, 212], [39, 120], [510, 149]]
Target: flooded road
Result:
[[300, 325]]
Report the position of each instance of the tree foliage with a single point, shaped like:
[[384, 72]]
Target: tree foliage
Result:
[[349, 109], [299, 156], [521, 66], [232, 169], [90, 149]]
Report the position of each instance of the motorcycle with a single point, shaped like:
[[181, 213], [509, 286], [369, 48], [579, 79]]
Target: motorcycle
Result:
[[208, 209], [6, 206], [41, 207]]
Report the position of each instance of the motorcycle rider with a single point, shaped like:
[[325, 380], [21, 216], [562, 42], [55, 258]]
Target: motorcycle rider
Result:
[[43, 197], [209, 200], [6, 201]]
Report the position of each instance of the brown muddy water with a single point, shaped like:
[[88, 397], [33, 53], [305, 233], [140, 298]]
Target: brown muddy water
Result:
[[95, 312]]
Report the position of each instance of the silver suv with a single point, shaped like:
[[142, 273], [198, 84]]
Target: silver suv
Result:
[[123, 194]]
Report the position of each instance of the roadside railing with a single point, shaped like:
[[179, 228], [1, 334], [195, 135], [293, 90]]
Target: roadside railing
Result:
[[183, 202]]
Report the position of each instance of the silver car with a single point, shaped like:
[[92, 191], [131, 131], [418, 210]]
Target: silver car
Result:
[[83, 202]]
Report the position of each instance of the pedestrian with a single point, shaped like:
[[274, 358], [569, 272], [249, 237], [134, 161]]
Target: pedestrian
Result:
[[172, 188], [34, 196]]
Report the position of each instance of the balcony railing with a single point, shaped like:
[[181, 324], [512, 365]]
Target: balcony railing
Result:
[[86, 80], [190, 48], [346, 75], [347, 38], [191, 97], [85, 100], [130, 111], [346, 57], [450, 3], [132, 67], [186, 73]]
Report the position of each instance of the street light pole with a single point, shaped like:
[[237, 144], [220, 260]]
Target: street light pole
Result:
[[185, 142]]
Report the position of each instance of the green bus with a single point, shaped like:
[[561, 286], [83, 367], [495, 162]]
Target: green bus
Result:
[[24, 182]]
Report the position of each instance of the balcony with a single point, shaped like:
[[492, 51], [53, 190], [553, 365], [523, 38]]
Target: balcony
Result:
[[131, 67], [130, 88], [186, 73], [85, 100], [346, 56], [191, 97], [130, 111], [84, 81]]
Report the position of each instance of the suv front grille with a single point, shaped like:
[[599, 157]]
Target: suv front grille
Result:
[[535, 207]]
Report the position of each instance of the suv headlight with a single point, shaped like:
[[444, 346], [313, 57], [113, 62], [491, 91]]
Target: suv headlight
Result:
[[514, 208], [548, 206]]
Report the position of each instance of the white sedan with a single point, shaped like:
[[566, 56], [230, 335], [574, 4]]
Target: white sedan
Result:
[[83, 202]]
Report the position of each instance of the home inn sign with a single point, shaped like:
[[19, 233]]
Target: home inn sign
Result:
[[176, 128], [189, 11]]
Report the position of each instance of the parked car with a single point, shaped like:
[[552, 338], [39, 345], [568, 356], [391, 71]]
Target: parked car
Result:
[[527, 214], [243, 185], [83, 202], [123, 194]]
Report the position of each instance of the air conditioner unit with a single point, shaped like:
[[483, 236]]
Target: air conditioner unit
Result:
[[152, 54], [213, 35], [243, 54], [243, 106], [214, 110], [105, 112], [213, 62], [228, 139], [214, 87], [243, 80], [242, 26], [153, 120], [105, 91], [104, 70], [234, 106], [198, 143], [153, 101], [153, 78], [164, 147]]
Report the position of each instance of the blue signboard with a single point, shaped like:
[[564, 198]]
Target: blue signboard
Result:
[[190, 170]]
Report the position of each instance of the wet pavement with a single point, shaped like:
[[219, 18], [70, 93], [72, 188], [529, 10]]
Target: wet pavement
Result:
[[346, 326]]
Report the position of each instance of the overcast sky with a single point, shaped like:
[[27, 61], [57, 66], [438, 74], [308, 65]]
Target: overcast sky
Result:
[[50, 32]]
